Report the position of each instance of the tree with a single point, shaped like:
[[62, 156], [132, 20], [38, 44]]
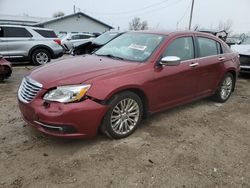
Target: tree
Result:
[[227, 26], [58, 14], [136, 24]]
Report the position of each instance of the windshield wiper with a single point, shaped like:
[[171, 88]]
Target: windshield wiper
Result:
[[110, 56]]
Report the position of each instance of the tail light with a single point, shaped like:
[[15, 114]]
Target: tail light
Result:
[[58, 41]]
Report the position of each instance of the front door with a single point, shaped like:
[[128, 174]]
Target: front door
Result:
[[176, 84]]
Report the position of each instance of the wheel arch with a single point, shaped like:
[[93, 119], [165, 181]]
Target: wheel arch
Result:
[[44, 47], [138, 91]]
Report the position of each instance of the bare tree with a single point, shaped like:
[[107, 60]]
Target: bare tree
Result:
[[58, 14], [136, 24], [227, 26]]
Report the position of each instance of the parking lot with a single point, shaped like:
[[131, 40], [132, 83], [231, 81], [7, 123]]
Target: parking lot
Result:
[[202, 144]]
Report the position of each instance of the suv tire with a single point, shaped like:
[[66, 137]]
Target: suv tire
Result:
[[40, 57]]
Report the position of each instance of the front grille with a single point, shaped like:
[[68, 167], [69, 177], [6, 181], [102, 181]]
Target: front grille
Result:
[[28, 89], [245, 60]]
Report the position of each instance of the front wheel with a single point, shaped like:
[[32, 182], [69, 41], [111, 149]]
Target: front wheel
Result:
[[225, 88], [123, 117], [40, 57]]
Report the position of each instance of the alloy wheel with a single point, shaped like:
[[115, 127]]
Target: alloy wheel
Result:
[[226, 88], [42, 58], [125, 116]]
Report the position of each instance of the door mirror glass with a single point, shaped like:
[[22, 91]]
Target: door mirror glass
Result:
[[170, 61]]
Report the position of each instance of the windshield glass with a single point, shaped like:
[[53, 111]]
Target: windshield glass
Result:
[[104, 38], [246, 41], [132, 46]]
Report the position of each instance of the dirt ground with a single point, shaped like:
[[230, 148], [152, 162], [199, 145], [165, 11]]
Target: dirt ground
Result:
[[202, 144]]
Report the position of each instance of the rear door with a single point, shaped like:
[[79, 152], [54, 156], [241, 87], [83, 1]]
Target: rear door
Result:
[[176, 84], [18, 39], [3, 43], [210, 64]]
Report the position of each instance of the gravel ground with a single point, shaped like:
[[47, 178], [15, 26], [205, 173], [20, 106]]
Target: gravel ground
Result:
[[202, 144]]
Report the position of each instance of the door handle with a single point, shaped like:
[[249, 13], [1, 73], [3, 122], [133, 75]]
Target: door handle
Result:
[[193, 64], [221, 58]]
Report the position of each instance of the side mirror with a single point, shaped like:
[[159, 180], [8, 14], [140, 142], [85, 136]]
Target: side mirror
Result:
[[170, 61], [68, 38], [1, 56]]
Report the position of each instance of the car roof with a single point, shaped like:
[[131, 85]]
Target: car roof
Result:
[[175, 32]]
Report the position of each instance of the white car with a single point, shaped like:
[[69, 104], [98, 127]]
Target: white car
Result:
[[244, 50], [71, 38]]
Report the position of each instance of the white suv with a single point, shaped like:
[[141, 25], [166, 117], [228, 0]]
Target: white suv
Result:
[[71, 38], [35, 44]]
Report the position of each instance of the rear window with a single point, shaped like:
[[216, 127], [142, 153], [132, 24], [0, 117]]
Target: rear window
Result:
[[207, 47], [46, 33], [16, 32]]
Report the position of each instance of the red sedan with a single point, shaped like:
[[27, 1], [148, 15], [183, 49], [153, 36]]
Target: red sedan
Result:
[[136, 74], [5, 69]]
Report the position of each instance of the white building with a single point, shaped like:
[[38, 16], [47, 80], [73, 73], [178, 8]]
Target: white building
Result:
[[78, 22]]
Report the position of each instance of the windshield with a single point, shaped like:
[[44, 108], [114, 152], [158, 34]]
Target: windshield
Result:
[[132, 46], [105, 38], [246, 41]]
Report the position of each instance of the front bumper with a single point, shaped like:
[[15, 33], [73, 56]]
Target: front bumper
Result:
[[74, 120], [244, 64]]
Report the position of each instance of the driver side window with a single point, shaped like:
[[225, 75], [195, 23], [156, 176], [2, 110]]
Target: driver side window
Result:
[[182, 47]]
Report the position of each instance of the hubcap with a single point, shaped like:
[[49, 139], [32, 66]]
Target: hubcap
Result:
[[42, 58], [125, 116], [226, 88]]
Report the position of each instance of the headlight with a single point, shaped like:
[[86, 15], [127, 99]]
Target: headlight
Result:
[[66, 94]]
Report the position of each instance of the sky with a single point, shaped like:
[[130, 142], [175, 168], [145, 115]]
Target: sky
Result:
[[160, 14]]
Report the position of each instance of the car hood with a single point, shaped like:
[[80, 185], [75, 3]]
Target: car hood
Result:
[[242, 49], [77, 70]]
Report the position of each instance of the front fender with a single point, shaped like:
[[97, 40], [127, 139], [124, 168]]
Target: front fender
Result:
[[105, 92]]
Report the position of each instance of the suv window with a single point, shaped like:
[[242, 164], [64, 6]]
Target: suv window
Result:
[[207, 47], [84, 36], [75, 37], [46, 33], [182, 48], [16, 32]]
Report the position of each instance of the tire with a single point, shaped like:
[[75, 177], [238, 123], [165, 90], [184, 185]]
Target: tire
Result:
[[40, 57], [124, 115], [1, 78], [225, 88]]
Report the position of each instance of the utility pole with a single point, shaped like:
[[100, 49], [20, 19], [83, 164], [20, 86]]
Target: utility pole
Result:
[[74, 7], [191, 15]]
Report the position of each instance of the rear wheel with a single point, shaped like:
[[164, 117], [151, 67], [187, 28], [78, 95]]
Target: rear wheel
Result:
[[225, 88], [40, 57], [123, 117]]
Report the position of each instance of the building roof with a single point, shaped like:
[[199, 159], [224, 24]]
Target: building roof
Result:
[[71, 15], [20, 19]]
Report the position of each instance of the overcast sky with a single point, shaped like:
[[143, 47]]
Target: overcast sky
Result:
[[168, 14]]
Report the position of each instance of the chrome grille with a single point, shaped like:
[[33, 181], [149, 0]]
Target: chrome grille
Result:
[[28, 89]]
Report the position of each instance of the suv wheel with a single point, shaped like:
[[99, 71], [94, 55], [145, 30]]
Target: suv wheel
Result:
[[40, 57], [124, 115], [225, 88]]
